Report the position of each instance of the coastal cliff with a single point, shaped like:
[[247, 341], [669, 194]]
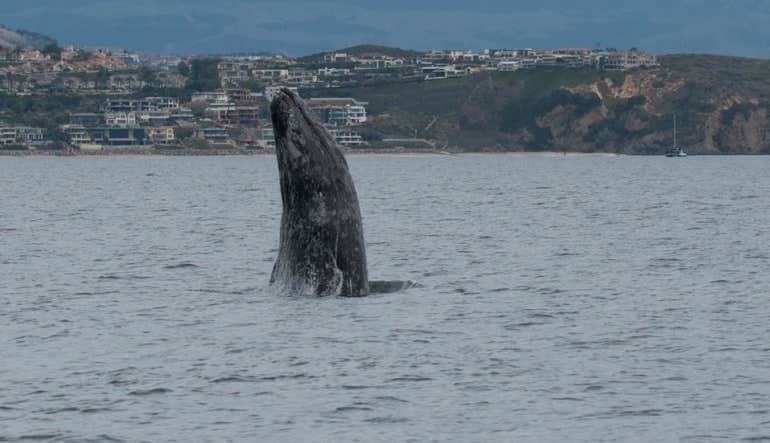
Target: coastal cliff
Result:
[[722, 105]]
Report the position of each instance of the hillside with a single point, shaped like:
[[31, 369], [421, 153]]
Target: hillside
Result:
[[363, 51], [23, 39], [722, 105]]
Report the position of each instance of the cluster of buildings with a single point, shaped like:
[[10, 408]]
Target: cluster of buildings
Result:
[[236, 114], [223, 118], [128, 122], [342, 69], [515, 59], [79, 71]]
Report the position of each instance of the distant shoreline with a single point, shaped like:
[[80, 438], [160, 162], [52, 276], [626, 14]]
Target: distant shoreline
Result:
[[248, 153]]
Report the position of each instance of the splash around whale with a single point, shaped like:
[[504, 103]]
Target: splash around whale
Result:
[[322, 250]]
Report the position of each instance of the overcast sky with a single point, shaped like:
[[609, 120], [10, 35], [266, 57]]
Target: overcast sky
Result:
[[738, 27]]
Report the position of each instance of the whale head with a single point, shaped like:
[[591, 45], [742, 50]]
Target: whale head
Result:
[[303, 146]]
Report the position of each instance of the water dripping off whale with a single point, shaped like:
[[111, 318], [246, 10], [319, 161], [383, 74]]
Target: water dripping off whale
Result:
[[322, 250]]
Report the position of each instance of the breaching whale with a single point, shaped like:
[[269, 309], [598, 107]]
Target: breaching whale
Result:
[[322, 250]]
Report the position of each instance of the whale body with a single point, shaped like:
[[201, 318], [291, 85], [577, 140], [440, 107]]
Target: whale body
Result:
[[322, 250]]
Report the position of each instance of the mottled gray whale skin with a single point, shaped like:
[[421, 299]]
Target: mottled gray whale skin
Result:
[[322, 250]]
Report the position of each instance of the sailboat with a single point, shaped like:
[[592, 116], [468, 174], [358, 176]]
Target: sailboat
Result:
[[675, 150]]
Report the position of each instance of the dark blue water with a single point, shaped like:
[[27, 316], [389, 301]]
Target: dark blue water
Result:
[[562, 299]]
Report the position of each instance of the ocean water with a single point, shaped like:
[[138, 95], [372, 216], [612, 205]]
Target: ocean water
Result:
[[562, 299]]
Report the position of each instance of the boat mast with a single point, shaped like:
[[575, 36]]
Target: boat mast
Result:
[[675, 145]]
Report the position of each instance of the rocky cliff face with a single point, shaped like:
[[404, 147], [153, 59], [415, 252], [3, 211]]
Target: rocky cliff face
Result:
[[722, 105]]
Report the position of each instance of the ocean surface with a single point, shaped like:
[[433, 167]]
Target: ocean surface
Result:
[[575, 298]]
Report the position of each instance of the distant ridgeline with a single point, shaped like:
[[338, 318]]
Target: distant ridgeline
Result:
[[23, 39]]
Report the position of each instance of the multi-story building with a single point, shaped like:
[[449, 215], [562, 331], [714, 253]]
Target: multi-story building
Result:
[[153, 118], [118, 136], [211, 96], [338, 57], [21, 135], [76, 134], [126, 82], [339, 111], [142, 105], [240, 116], [508, 66], [87, 119], [442, 72], [266, 137], [621, 61], [381, 62], [158, 104], [120, 119], [271, 75], [215, 136], [346, 136], [301, 77], [8, 135], [161, 135], [183, 115], [333, 72]]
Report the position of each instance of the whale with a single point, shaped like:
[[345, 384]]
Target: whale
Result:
[[321, 247]]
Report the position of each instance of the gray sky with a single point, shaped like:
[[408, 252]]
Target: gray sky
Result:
[[738, 27]]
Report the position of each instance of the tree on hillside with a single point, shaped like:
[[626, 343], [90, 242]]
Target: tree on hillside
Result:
[[102, 78], [147, 75], [81, 55], [204, 75], [53, 51], [183, 68]]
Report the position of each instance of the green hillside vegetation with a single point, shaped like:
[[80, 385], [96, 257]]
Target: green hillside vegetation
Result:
[[364, 50]]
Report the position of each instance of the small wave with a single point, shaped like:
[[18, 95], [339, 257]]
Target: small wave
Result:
[[142, 392], [40, 437], [95, 410], [387, 420], [181, 266], [59, 411], [358, 387], [389, 398], [413, 378], [235, 379], [353, 409], [253, 379], [642, 413], [527, 324]]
